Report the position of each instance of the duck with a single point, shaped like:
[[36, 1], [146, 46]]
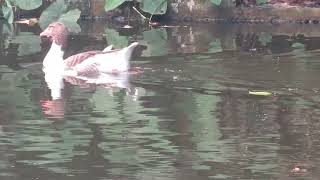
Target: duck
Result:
[[85, 64]]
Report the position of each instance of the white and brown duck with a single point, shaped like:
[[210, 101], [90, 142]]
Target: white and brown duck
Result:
[[90, 63]]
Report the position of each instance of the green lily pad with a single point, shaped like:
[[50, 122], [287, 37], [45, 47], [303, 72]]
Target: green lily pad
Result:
[[112, 4]]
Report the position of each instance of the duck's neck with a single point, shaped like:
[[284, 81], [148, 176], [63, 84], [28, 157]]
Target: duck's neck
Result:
[[54, 59]]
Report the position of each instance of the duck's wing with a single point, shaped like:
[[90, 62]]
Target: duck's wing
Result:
[[74, 81], [87, 70], [76, 59], [79, 58]]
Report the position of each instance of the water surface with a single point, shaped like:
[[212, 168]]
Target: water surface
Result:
[[189, 115]]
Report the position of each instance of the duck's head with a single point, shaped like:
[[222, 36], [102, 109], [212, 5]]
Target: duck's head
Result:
[[56, 32]]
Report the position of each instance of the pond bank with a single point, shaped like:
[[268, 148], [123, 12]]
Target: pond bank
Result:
[[257, 15], [200, 11], [165, 40]]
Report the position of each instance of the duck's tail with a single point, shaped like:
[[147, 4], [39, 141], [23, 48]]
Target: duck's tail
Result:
[[127, 51], [109, 48], [133, 45], [130, 48]]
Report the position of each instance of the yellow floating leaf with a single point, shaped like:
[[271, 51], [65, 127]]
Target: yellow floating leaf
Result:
[[260, 93]]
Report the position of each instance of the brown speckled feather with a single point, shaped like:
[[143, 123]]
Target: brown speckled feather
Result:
[[79, 58], [89, 70]]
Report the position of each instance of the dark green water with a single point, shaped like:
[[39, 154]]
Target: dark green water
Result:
[[188, 116]]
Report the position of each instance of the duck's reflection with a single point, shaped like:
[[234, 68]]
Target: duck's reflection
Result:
[[119, 80], [55, 107]]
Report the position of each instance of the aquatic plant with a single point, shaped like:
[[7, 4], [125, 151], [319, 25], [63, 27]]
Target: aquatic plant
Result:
[[216, 2], [58, 12], [149, 6], [143, 7], [7, 7]]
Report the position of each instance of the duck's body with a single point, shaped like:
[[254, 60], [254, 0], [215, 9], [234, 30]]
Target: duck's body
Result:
[[96, 62], [53, 61], [88, 63]]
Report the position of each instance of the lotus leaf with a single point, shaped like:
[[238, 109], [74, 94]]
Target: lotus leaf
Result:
[[57, 12], [27, 4], [112, 4]]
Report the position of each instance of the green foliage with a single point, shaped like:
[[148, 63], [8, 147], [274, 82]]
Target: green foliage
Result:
[[153, 6], [29, 43], [115, 39], [149, 6], [112, 4], [57, 11], [70, 20], [155, 40], [216, 2], [58, 7], [27, 4], [259, 2], [7, 11]]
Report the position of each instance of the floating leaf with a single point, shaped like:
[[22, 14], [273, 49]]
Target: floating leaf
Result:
[[112, 4], [7, 12], [154, 6], [27, 4], [260, 93], [114, 39], [56, 12], [216, 2], [29, 43]]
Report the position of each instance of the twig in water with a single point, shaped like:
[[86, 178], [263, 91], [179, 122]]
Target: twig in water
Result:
[[143, 17]]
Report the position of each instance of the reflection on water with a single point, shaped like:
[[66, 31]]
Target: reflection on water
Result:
[[188, 116]]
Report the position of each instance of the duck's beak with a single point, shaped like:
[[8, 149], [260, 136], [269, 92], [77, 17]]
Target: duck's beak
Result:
[[46, 34]]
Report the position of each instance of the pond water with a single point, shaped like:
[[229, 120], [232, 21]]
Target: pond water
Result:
[[188, 116]]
